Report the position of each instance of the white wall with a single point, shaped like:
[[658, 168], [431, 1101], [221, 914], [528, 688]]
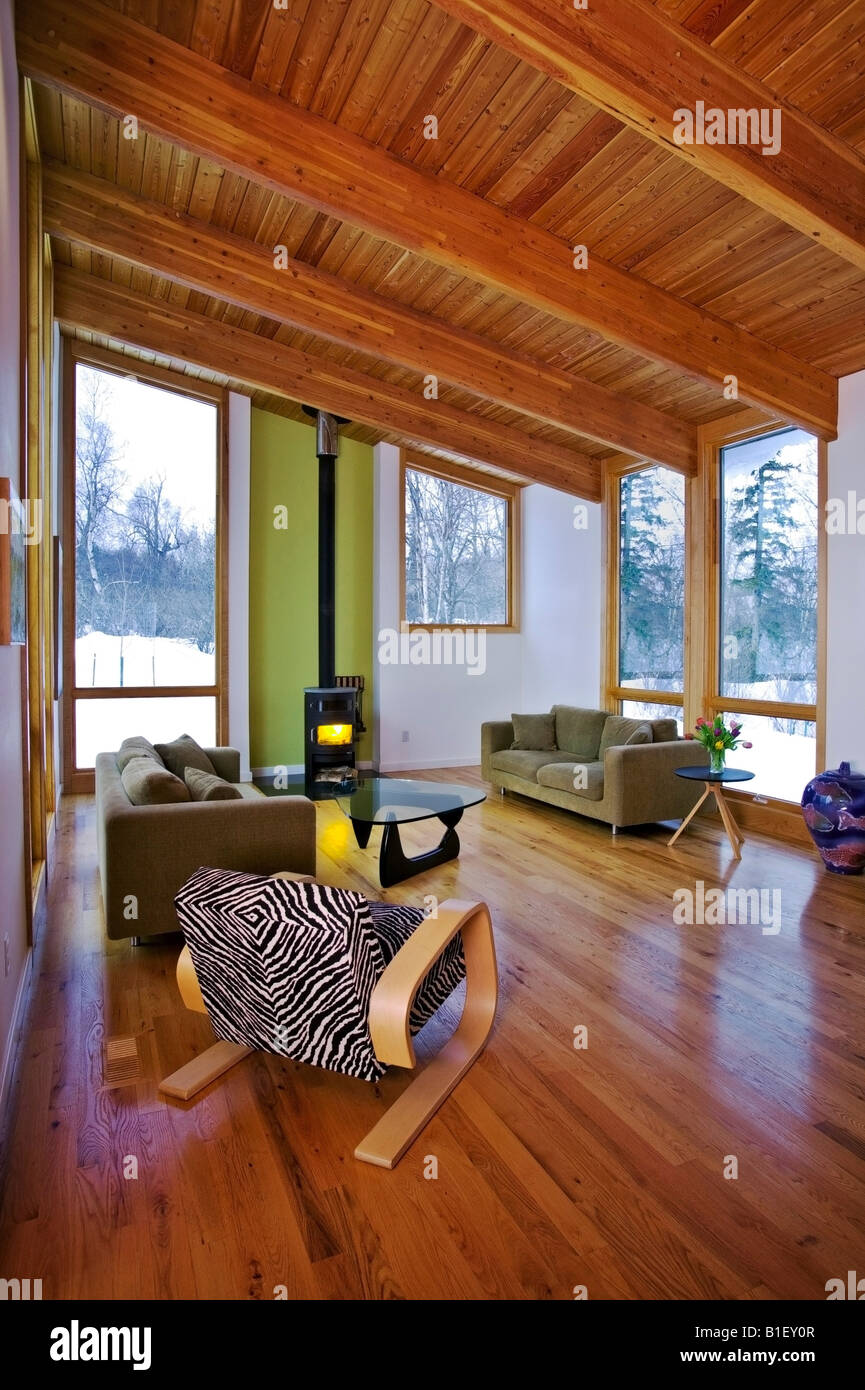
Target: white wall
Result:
[[239, 425], [440, 707], [845, 667], [555, 656], [13, 919], [561, 617]]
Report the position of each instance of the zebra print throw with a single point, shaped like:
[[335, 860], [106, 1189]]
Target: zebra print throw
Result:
[[289, 967], [393, 925]]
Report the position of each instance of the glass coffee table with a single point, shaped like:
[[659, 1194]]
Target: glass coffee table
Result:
[[713, 782], [391, 802]]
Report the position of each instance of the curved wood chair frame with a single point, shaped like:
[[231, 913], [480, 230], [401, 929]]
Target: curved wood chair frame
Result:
[[389, 1012]]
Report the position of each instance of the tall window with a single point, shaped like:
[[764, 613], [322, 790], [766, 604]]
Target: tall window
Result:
[[144, 633], [459, 549], [767, 629], [651, 609]]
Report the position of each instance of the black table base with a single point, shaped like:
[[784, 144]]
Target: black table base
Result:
[[394, 865]]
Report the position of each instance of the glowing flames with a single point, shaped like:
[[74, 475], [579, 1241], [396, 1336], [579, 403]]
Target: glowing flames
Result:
[[333, 735]]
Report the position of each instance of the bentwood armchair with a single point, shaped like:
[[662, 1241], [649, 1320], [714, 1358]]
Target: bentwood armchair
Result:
[[421, 973]]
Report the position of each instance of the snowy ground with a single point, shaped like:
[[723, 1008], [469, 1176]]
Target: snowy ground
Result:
[[783, 763], [145, 661], [101, 725]]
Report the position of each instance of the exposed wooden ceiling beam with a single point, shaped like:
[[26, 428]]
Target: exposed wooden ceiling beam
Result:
[[98, 306], [126, 68], [629, 58], [112, 220]]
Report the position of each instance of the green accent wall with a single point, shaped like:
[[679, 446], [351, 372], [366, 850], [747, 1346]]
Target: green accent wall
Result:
[[283, 581]]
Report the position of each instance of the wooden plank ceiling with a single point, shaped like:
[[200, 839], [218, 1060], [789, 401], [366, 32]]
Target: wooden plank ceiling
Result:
[[522, 143]]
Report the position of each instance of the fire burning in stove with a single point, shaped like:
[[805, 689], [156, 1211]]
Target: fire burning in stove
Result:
[[334, 735]]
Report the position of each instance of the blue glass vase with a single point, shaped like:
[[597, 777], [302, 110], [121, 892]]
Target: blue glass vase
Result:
[[833, 807]]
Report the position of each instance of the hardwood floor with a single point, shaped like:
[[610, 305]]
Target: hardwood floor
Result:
[[557, 1167]]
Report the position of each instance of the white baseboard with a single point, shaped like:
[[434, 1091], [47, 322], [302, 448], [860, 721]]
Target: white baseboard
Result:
[[14, 1038], [470, 760], [290, 769]]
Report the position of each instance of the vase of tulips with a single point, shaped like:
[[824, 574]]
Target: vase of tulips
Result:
[[717, 739]]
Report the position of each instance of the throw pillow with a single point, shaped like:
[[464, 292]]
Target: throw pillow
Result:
[[148, 783], [137, 747], [641, 735], [664, 730], [534, 733], [184, 752], [206, 786], [619, 730]]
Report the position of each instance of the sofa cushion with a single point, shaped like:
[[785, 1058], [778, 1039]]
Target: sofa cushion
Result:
[[664, 730], [619, 730], [521, 762], [534, 731], [578, 731], [136, 747], [182, 753], [206, 786], [564, 778], [147, 783]]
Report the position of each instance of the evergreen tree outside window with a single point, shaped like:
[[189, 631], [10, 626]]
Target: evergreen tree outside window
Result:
[[768, 604], [652, 583]]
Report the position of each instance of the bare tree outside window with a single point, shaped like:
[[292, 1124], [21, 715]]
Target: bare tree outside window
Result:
[[456, 552], [144, 560]]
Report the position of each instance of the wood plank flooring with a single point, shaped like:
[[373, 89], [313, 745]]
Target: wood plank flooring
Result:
[[601, 1166]]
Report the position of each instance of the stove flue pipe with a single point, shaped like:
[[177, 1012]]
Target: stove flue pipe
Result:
[[327, 450]]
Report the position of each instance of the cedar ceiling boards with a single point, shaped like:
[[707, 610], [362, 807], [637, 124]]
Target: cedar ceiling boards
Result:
[[690, 276]]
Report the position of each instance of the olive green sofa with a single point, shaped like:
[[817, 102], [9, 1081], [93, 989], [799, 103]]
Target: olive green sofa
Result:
[[146, 853], [594, 770]]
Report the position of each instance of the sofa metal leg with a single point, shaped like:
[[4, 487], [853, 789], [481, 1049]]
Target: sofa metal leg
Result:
[[614, 829], [135, 940], [501, 791]]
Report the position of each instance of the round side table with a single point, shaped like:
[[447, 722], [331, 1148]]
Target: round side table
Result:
[[713, 783]]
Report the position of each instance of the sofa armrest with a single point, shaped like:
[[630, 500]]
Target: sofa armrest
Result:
[[495, 735], [640, 783], [150, 851], [226, 761]]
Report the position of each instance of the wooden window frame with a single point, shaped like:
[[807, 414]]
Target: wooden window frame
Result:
[[37, 411], [612, 693], [504, 488], [704, 587], [75, 353], [702, 608]]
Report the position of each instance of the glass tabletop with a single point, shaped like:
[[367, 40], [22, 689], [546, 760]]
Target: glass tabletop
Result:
[[705, 774], [380, 799]]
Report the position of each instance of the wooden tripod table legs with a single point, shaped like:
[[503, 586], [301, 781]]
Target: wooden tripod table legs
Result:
[[734, 834]]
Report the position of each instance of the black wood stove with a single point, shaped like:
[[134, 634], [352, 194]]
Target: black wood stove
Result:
[[331, 721]]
